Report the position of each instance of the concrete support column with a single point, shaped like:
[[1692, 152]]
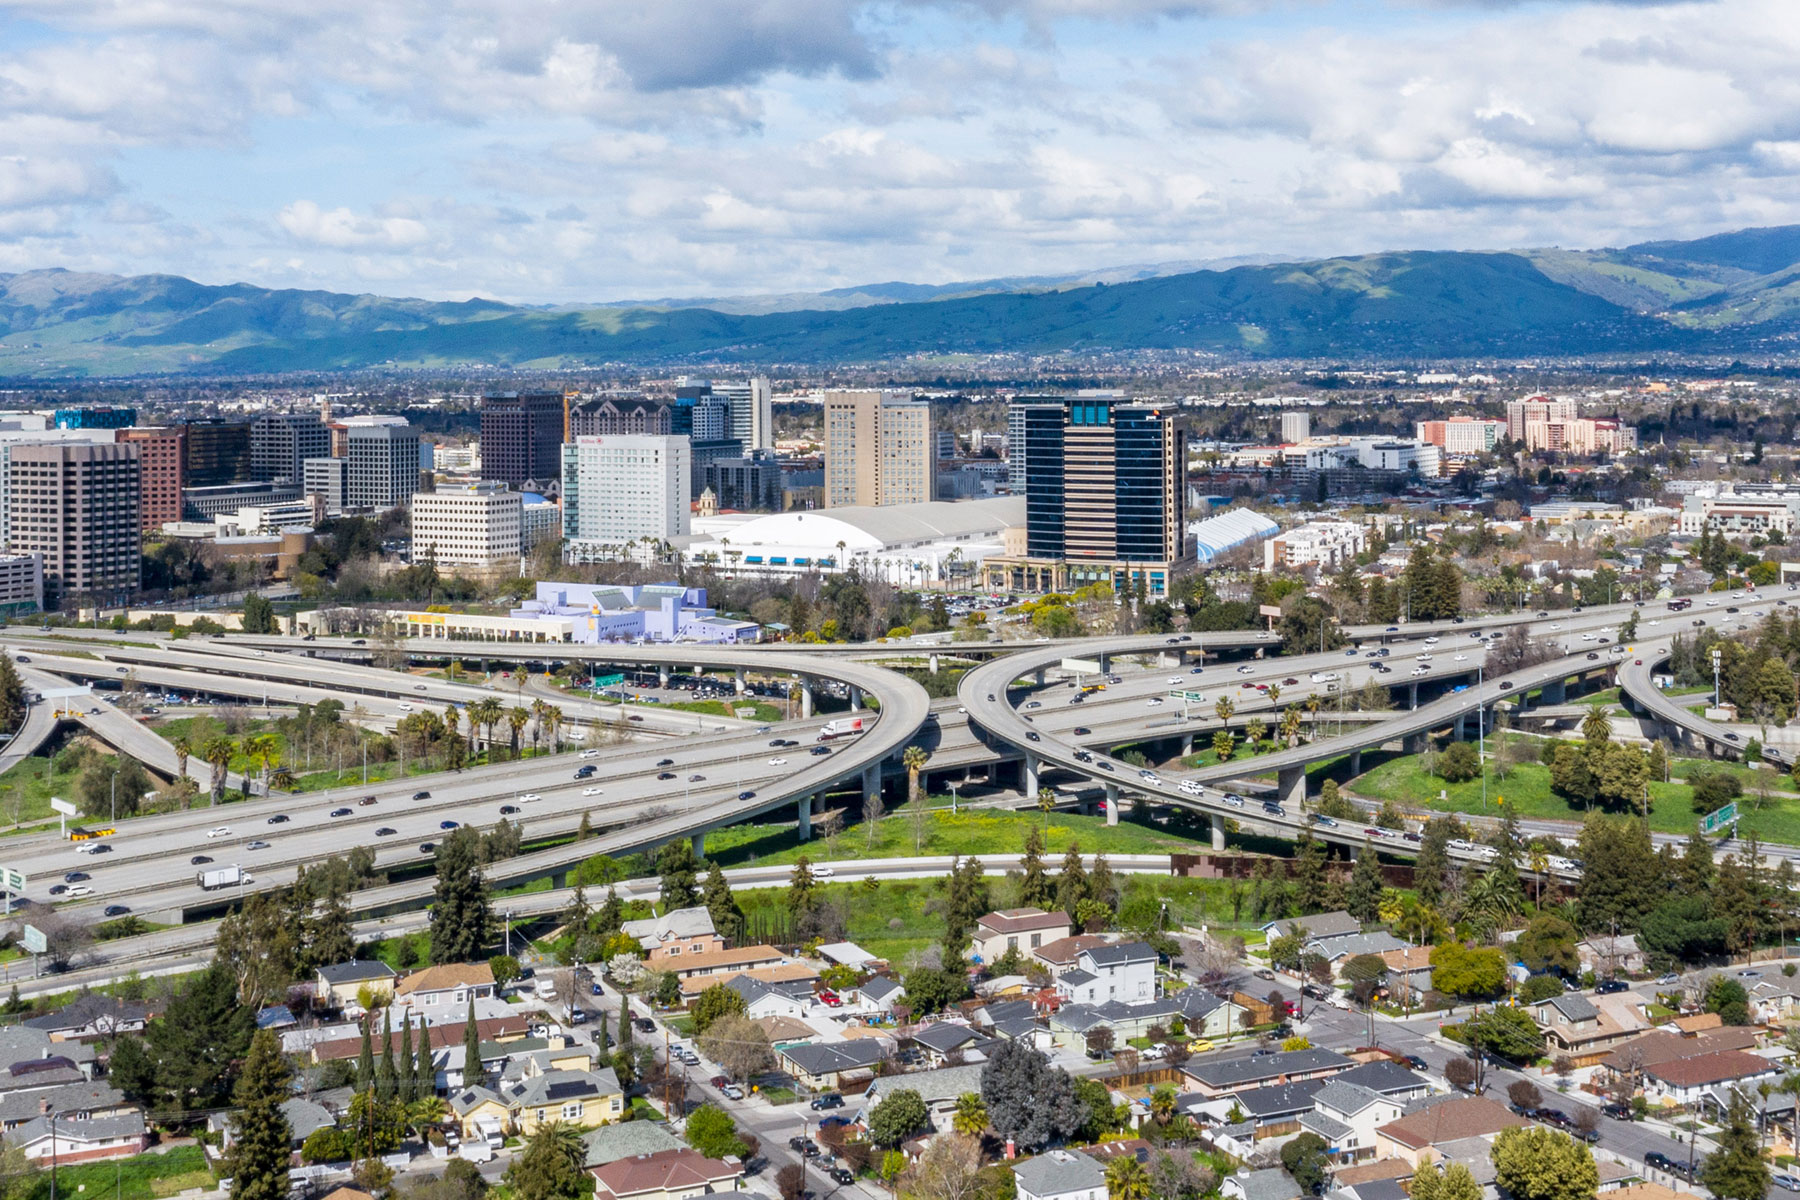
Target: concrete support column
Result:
[[1112, 804], [1554, 693], [871, 783], [1356, 762], [1415, 743], [1029, 780], [805, 807], [1353, 852], [1187, 744], [1038, 675], [855, 699], [740, 681], [699, 846], [662, 677], [934, 664], [1290, 788], [1462, 727], [806, 700], [1412, 695], [1218, 831]]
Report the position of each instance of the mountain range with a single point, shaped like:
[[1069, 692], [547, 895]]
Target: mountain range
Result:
[[1731, 293]]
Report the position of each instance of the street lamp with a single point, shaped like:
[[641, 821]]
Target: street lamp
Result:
[[953, 797], [1716, 656]]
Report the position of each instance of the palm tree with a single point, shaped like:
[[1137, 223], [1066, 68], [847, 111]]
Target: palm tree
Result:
[[264, 751], [426, 1111], [913, 758], [565, 1139], [553, 721], [1162, 1104], [517, 717], [971, 1115], [1274, 694], [537, 727], [1046, 801], [1224, 708], [1597, 726], [1312, 712], [1126, 1179], [218, 753], [1290, 726], [182, 748], [486, 713]]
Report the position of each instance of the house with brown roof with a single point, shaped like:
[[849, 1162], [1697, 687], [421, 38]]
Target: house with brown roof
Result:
[[1626, 1065], [1686, 1080], [1021, 929], [1416, 1136], [679, 933], [705, 963], [1586, 1028], [1409, 967], [666, 1175], [436, 989], [786, 975], [1060, 955]]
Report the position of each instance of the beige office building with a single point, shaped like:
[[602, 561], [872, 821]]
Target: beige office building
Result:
[[475, 525], [878, 449], [78, 506]]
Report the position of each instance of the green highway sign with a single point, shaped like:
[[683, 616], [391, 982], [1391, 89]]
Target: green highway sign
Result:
[[1712, 822], [606, 681], [1189, 697]]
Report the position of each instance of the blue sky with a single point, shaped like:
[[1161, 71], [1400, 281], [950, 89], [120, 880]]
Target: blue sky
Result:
[[556, 151]]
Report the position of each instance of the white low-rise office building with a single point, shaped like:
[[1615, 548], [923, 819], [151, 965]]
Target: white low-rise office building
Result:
[[468, 525]]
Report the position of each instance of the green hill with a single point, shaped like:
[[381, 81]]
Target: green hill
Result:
[[1726, 293]]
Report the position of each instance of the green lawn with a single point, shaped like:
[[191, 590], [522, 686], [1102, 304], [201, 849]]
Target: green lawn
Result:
[[765, 711], [1526, 790], [140, 1177], [25, 793]]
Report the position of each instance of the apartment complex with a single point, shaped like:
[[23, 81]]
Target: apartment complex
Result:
[[473, 525], [1326, 544], [1462, 437], [1295, 426], [161, 453], [381, 469], [624, 489], [77, 506], [878, 449], [1103, 499], [521, 437], [1554, 424], [615, 417]]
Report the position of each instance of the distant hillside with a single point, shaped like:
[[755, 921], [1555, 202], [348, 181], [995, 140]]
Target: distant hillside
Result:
[[1722, 294]]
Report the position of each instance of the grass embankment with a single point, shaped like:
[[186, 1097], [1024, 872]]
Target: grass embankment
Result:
[[140, 1177], [25, 793], [1526, 791]]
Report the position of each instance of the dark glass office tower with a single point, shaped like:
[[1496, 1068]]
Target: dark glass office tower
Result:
[[1149, 455], [521, 437], [1039, 429]]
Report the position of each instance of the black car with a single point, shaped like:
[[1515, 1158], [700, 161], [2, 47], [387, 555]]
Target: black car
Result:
[[279, 819], [829, 1100], [1658, 1161], [644, 1025], [116, 910], [427, 847], [386, 831], [77, 877], [585, 772], [421, 795], [1082, 731], [1103, 765], [819, 751], [746, 795], [842, 1175], [507, 810], [1617, 1111], [100, 848], [802, 1145], [1031, 735], [665, 774], [1273, 809], [669, 762], [1416, 1063], [199, 860], [1612, 987]]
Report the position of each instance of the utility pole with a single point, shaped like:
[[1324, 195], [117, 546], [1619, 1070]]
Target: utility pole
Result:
[[1717, 654]]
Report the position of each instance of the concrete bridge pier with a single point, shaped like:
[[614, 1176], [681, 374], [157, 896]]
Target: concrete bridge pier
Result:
[[699, 841], [1218, 831], [1187, 744], [1029, 779], [805, 809], [1038, 676], [662, 677], [855, 699], [740, 681], [1290, 788], [1112, 804], [1415, 743], [1412, 695], [1461, 729], [806, 700], [1554, 693], [1355, 763], [934, 664], [1353, 852]]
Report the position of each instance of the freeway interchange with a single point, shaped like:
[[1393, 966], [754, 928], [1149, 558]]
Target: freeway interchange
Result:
[[704, 773]]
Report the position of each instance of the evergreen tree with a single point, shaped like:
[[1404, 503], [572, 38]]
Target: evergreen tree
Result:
[[611, 917], [1102, 888], [601, 1038], [1736, 1170], [1363, 897], [424, 1072], [200, 1040], [727, 915], [1697, 870], [968, 899], [1035, 887], [1071, 885], [365, 1057], [575, 918], [680, 875], [462, 912], [407, 1068], [1309, 866], [1431, 869], [260, 1148], [1620, 880], [386, 1085], [472, 1072]]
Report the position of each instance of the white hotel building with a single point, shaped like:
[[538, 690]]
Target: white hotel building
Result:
[[622, 489]]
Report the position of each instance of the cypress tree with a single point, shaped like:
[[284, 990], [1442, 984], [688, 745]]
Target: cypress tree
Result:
[[1071, 885], [406, 1072], [425, 1075], [260, 1150], [600, 1038], [384, 1070], [472, 1073], [624, 1022], [1035, 889], [365, 1058]]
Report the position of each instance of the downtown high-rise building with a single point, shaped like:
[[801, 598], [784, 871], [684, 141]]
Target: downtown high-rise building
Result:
[[522, 437], [381, 469], [1103, 498], [77, 505], [878, 449], [161, 459], [280, 444], [633, 488]]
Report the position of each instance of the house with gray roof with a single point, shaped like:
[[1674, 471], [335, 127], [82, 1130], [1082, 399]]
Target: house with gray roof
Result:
[[1271, 1184], [823, 1066], [1319, 925], [1123, 972], [336, 984], [1264, 1111], [939, 1089], [1060, 1175], [762, 999], [78, 1101], [90, 1015], [82, 1141], [878, 994], [943, 1039], [627, 1139], [1385, 1077], [1216, 1077], [1346, 1116], [1341, 949], [1204, 1015]]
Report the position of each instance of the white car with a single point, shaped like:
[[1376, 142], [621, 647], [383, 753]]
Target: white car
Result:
[[1233, 799], [1176, 681], [80, 889], [1423, 658], [1431, 641], [1153, 702], [1555, 628], [821, 872], [1460, 658], [1246, 669], [590, 791], [590, 754], [219, 831], [1421, 671], [778, 762], [530, 798], [1587, 637]]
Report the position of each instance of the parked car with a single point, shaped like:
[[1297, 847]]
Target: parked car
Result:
[[829, 1100]]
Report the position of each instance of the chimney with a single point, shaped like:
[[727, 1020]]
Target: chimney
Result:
[[44, 1107], [1012, 1151]]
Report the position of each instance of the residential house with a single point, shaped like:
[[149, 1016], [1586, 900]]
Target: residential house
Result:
[[1609, 956], [31, 1061], [337, 985], [1340, 949], [444, 989], [1060, 1175], [1272, 1111], [666, 1175], [476, 1106], [1576, 1025], [877, 994], [1687, 1080], [627, 1139], [939, 1089], [579, 1098], [710, 963], [1774, 1001], [1416, 1136], [1272, 1183], [943, 1042], [1124, 971], [90, 1016], [824, 1066], [1385, 1077], [1203, 1014], [79, 1101], [770, 1000], [1014, 1020], [1216, 1077], [1059, 956], [1319, 925], [1373, 1171], [1346, 1116], [679, 933], [1021, 929], [849, 954], [1626, 1065], [81, 1141], [1409, 972]]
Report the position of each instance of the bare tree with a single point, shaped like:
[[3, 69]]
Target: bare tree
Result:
[[950, 1169]]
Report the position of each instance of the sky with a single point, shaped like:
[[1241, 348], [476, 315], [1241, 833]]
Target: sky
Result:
[[570, 151]]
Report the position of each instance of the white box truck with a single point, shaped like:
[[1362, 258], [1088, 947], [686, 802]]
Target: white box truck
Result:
[[839, 727], [214, 878]]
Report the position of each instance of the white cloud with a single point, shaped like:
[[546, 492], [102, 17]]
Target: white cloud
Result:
[[341, 229]]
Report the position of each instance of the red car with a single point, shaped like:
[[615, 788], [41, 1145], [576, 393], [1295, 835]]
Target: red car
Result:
[[830, 999]]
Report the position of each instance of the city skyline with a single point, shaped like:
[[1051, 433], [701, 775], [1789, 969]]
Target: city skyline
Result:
[[563, 156]]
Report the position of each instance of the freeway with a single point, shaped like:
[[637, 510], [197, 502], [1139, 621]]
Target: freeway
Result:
[[1636, 681]]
